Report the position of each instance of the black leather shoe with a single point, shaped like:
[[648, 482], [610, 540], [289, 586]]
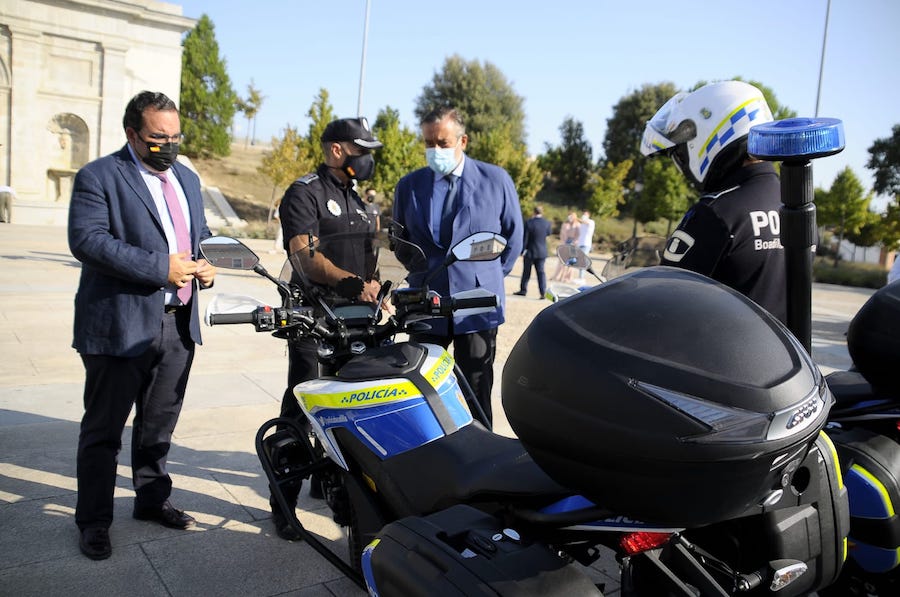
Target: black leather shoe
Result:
[[167, 516], [283, 528], [94, 543], [520, 293]]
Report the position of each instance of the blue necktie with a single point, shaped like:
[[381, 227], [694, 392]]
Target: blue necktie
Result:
[[447, 212]]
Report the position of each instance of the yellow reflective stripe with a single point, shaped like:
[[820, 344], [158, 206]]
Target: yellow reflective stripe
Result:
[[362, 396], [834, 456], [725, 120], [878, 485], [840, 480]]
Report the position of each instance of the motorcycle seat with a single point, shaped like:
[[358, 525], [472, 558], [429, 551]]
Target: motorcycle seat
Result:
[[471, 466], [851, 387]]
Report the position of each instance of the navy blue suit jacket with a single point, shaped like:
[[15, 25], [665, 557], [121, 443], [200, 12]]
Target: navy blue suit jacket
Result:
[[537, 229], [486, 201], [116, 233]]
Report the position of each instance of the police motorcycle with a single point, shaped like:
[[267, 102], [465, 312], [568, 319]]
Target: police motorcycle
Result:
[[865, 426], [698, 461]]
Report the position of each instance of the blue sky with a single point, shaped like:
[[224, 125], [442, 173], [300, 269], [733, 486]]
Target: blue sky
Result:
[[566, 57]]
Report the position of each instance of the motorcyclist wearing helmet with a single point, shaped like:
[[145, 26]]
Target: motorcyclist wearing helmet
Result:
[[732, 233]]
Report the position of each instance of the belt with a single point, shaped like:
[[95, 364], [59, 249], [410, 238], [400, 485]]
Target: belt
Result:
[[175, 308]]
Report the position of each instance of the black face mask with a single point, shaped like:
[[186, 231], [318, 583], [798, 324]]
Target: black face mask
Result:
[[160, 156], [360, 167]]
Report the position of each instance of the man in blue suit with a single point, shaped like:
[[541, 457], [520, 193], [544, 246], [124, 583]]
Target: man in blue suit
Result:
[[453, 197], [537, 229], [135, 224]]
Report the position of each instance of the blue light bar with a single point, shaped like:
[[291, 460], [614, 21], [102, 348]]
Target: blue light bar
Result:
[[794, 139]]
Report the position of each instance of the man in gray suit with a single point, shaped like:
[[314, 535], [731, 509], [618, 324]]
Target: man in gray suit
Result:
[[135, 224]]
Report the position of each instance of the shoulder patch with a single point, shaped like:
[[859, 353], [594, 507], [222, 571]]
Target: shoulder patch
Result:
[[308, 178]]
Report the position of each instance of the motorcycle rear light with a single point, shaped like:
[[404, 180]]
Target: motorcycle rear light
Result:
[[635, 543]]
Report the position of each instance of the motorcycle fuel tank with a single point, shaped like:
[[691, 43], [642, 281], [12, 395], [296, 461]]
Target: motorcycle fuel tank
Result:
[[393, 399], [665, 396]]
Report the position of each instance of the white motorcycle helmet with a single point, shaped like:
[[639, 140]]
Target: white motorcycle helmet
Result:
[[705, 131]]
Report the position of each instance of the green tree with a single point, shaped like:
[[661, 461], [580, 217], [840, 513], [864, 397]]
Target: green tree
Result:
[[666, 193], [495, 119], [884, 160], [250, 107], [483, 95], [570, 163], [608, 191], [844, 207], [286, 161], [402, 153], [497, 147], [889, 226], [320, 113], [625, 127], [868, 234], [207, 99], [624, 130], [294, 155]]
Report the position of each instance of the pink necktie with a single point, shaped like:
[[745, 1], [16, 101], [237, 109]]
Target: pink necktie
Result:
[[182, 238]]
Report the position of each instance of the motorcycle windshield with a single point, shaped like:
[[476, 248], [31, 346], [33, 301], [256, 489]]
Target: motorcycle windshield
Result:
[[363, 255]]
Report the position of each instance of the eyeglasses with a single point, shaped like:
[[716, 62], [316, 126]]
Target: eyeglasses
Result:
[[160, 138]]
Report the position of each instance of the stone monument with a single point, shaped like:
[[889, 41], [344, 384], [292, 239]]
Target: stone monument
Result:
[[67, 70]]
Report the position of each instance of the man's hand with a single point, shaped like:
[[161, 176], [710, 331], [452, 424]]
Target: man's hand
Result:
[[182, 269], [206, 273], [370, 291]]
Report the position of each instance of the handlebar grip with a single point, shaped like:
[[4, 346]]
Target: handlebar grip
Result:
[[226, 318], [475, 302]]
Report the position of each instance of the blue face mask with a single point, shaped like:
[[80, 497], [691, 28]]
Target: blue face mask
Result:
[[441, 159]]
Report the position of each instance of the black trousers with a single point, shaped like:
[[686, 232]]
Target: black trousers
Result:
[[154, 383], [474, 353], [538, 264]]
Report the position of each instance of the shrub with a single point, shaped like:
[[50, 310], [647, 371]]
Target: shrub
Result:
[[862, 275]]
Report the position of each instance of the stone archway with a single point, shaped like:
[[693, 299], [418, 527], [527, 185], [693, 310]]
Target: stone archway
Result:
[[67, 152]]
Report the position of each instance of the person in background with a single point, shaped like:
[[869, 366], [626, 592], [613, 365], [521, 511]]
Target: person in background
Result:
[[452, 198], [537, 229], [373, 209], [135, 224], [324, 204], [568, 235], [894, 273], [7, 197], [585, 239], [732, 233]]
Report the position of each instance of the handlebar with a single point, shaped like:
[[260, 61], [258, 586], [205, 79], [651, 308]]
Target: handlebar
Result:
[[299, 322], [472, 303], [229, 318], [266, 319]]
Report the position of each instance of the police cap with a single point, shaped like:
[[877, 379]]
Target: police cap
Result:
[[355, 130]]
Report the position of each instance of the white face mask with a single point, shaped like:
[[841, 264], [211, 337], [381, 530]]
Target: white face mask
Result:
[[441, 159]]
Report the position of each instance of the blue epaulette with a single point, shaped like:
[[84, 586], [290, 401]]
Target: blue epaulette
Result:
[[308, 178]]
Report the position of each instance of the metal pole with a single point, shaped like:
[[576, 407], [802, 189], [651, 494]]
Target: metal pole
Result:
[[798, 235], [822, 60], [362, 66]]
